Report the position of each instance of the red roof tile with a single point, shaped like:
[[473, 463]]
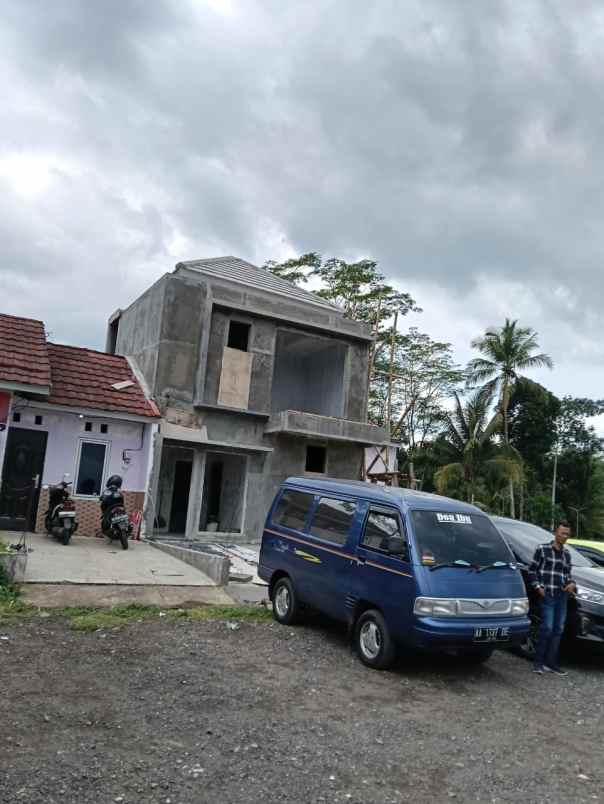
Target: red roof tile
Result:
[[23, 352], [84, 378]]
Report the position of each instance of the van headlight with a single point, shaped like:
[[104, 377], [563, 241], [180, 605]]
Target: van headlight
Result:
[[436, 607], [589, 595], [520, 606]]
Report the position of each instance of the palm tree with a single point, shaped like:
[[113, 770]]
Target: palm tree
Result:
[[505, 353], [467, 439], [466, 434]]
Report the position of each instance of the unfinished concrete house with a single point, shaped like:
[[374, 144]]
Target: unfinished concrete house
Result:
[[256, 380]]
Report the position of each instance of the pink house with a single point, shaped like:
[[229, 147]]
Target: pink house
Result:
[[67, 410]]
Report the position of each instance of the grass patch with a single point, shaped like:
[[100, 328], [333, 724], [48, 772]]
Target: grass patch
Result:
[[89, 620]]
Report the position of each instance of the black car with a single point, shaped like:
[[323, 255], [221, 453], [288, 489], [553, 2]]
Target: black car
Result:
[[585, 618]]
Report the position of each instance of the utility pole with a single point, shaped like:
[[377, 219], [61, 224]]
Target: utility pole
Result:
[[554, 489], [577, 511]]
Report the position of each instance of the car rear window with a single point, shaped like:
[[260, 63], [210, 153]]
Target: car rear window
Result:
[[332, 519], [292, 509]]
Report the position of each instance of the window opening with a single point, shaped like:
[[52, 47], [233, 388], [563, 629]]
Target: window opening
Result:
[[316, 458], [88, 427], [38, 420], [90, 470], [104, 428], [239, 335], [16, 417], [332, 520]]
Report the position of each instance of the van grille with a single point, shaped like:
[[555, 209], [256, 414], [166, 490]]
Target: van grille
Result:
[[485, 607]]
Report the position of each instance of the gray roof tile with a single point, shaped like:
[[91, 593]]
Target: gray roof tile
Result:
[[234, 269]]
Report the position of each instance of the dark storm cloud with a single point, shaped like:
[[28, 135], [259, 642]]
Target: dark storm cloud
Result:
[[458, 143]]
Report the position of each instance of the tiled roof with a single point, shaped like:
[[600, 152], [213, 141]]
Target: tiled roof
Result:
[[23, 353], [83, 378], [236, 270]]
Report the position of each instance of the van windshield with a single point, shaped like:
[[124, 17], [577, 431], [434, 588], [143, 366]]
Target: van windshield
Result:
[[458, 539]]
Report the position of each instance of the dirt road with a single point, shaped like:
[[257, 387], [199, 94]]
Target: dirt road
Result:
[[180, 712]]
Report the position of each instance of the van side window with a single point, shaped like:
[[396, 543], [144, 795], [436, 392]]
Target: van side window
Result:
[[292, 509], [332, 520], [380, 527]]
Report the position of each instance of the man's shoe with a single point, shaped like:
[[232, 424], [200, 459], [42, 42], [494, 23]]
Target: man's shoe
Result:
[[558, 671], [539, 668]]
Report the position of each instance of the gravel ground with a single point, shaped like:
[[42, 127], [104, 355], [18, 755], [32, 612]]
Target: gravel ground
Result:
[[179, 712]]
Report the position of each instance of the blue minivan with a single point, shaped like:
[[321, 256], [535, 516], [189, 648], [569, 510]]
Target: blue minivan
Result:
[[400, 567]]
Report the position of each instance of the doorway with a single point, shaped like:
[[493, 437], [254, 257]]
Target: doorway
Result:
[[180, 496], [223, 496], [21, 476]]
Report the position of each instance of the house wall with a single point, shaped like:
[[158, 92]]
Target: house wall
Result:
[[66, 433]]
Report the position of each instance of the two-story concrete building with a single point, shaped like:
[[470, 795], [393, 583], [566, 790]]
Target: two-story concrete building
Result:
[[256, 379]]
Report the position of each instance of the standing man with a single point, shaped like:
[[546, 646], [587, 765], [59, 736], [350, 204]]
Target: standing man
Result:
[[550, 576]]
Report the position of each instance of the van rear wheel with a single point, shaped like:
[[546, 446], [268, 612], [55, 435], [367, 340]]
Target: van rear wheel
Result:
[[286, 607], [372, 640]]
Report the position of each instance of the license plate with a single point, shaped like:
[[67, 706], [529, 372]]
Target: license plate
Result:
[[122, 518], [64, 514], [487, 634]]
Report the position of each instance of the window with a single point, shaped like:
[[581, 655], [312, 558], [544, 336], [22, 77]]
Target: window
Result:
[[380, 526], [16, 417], [239, 335], [315, 459], [38, 420], [104, 428], [449, 536], [88, 427], [292, 509], [332, 520], [90, 470]]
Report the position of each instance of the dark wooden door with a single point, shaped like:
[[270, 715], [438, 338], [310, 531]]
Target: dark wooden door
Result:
[[180, 496], [21, 478]]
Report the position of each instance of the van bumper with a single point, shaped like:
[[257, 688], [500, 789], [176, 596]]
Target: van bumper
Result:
[[433, 633]]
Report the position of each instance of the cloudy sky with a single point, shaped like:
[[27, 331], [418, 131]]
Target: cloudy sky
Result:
[[460, 143]]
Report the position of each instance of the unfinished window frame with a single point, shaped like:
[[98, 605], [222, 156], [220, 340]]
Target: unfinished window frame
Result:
[[239, 323], [314, 445]]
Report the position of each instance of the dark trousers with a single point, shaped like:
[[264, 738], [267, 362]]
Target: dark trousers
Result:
[[553, 618]]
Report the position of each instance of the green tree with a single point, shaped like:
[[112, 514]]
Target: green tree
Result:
[[476, 463], [505, 352]]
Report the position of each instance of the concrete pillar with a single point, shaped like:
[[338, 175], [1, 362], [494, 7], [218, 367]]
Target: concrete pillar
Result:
[[195, 493], [150, 509]]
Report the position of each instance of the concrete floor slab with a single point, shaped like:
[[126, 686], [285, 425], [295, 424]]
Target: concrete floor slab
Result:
[[93, 561]]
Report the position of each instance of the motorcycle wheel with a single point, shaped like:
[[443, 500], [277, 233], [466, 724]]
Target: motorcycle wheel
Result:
[[124, 539], [65, 535]]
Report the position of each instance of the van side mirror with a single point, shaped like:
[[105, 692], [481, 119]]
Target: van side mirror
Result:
[[397, 546]]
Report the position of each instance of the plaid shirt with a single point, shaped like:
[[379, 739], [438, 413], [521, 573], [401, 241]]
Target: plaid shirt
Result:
[[550, 569]]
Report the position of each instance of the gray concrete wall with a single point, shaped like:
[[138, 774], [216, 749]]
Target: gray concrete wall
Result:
[[181, 332], [139, 331]]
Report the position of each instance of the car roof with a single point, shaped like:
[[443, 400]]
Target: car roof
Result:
[[588, 543], [406, 498]]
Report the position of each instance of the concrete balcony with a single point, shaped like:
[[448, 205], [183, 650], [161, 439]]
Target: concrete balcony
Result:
[[311, 425]]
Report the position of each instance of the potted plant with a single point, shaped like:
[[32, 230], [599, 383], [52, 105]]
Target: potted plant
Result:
[[12, 564]]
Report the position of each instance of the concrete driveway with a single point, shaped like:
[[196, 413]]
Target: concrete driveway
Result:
[[91, 571]]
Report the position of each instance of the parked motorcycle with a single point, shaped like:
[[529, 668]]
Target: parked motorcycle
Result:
[[115, 522], [60, 518]]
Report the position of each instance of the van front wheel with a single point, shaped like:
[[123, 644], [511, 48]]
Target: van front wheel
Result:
[[286, 608], [372, 640]]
